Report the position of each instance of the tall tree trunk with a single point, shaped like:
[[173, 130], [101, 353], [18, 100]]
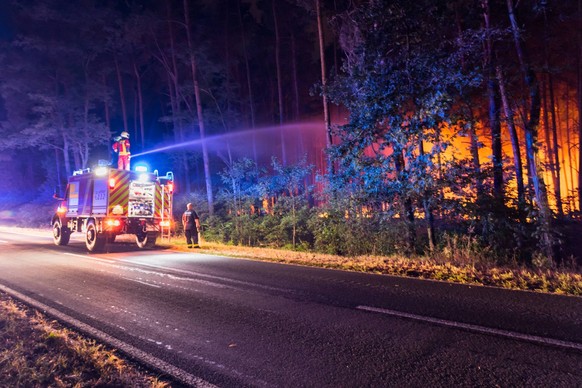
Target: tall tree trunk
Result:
[[531, 133], [248, 79], [66, 156], [106, 104], [121, 95], [205, 158], [139, 105], [514, 144], [59, 189], [295, 78], [494, 121], [326, 117], [579, 101], [474, 150], [407, 212], [571, 164], [428, 213], [555, 149], [279, 82], [549, 152], [177, 108], [562, 157]]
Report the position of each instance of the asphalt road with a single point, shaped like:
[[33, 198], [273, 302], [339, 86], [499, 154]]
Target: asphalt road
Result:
[[233, 322]]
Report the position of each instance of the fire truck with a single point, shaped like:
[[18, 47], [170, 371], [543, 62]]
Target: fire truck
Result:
[[105, 202]]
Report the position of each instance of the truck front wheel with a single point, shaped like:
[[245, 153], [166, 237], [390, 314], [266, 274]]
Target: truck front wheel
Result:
[[61, 234], [94, 240]]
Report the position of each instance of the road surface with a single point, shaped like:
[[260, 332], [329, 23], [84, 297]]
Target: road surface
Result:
[[211, 320]]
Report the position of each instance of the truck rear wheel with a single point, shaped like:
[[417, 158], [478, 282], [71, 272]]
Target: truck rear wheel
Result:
[[61, 234], [146, 240], [94, 241]]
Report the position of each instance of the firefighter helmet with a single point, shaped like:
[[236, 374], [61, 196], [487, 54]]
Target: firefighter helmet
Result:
[[125, 135]]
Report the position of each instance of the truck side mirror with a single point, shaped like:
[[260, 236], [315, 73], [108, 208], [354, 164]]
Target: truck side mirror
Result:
[[57, 194]]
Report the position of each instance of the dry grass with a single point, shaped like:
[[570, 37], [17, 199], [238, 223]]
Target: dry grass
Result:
[[460, 270], [38, 352]]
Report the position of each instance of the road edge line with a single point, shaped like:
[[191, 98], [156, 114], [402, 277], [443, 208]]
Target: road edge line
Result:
[[143, 357], [476, 328]]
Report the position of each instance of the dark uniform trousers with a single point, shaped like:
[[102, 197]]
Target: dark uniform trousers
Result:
[[191, 237]]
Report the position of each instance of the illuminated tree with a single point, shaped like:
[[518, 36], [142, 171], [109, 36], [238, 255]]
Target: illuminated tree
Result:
[[398, 87]]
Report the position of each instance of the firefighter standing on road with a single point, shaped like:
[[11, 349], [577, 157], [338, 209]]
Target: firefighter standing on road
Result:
[[121, 147], [191, 224]]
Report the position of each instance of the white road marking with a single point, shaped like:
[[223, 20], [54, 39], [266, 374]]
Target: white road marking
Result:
[[145, 283], [146, 358], [115, 262], [87, 257], [477, 328], [214, 277]]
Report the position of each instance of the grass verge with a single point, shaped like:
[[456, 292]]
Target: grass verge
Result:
[[38, 352], [559, 281]]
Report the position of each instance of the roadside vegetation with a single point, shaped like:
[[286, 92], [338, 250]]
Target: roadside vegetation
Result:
[[552, 280], [36, 351]]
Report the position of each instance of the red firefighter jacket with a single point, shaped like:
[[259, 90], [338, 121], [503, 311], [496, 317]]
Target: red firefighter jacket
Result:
[[121, 146]]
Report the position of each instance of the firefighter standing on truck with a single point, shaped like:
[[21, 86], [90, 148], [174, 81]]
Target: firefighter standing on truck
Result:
[[121, 147], [191, 224]]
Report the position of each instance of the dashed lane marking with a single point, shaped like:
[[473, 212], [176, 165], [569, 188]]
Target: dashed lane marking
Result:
[[477, 328], [152, 361]]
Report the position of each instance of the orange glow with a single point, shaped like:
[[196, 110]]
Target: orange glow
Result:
[[165, 223], [61, 210], [114, 223]]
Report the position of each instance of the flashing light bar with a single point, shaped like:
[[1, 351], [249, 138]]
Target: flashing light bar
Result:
[[141, 168], [101, 171]]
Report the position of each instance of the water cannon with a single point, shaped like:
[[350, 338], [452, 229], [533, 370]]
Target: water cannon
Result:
[[168, 180]]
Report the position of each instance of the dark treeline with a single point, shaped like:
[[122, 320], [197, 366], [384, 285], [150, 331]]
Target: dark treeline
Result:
[[393, 125]]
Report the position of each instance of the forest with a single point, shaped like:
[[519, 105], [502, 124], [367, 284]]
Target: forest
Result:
[[341, 126]]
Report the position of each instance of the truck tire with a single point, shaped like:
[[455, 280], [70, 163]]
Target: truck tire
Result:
[[146, 240], [61, 234], [94, 240]]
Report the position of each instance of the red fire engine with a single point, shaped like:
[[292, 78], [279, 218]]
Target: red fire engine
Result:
[[105, 202]]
